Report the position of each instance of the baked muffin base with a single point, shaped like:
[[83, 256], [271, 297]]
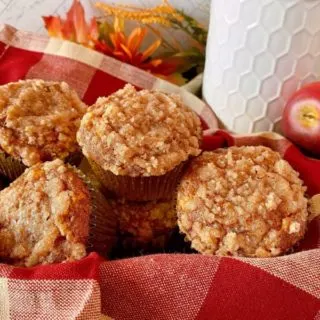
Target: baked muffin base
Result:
[[140, 188], [102, 223], [145, 225], [74, 158], [242, 201], [69, 218], [12, 168]]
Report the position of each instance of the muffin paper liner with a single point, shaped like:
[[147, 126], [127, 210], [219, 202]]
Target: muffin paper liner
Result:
[[10, 167], [103, 223], [74, 158], [140, 188]]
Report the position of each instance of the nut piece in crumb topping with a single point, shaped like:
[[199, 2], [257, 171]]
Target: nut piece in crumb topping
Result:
[[39, 120], [242, 201], [139, 133], [144, 222], [44, 216]]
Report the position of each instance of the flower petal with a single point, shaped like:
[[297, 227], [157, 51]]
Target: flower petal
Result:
[[94, 30], [103, 47], [76, 17], [150, 50], [68, 31], [118, 24], [175, 78], [120, 56], [135, 39], [126, 51], [53, 26], [121, 37], [165, 67], [136, 59], [114, 39]]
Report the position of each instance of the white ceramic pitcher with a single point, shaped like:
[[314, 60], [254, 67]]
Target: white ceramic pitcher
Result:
[[258, 53]]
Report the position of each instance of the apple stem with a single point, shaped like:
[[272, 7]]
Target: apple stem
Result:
[[309, 115]]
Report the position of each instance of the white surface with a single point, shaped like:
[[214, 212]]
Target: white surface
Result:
[[259, 52], [26, 14]]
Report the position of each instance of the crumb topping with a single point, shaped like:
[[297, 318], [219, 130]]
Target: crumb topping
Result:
[[242, 201], [139, 132], [146, 221], [39, 120], [44, 216]]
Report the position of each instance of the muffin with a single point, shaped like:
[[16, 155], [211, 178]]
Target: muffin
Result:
[[138, 142], [38, 122], [50, 214], [145, 225], [242, 201]]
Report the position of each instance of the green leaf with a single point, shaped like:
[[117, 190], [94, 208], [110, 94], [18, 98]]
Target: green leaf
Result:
[[105, 29]]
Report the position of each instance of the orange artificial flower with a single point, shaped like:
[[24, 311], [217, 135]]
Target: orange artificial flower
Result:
[[127, 49], [114, 43], [74, 28]]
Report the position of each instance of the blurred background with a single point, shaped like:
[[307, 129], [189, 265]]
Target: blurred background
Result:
[[26, 14]]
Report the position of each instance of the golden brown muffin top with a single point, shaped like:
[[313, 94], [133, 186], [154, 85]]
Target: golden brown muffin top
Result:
[[242, 201], [145, 221], [44, 216], [39, 120], [139, 133]]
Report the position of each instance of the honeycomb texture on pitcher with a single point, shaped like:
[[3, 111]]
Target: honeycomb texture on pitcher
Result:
[[258, 54]]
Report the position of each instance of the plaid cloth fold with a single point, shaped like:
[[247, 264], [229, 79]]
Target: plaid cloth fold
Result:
[[164, 286]]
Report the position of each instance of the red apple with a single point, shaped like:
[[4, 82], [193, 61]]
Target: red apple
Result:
[[301, 118]]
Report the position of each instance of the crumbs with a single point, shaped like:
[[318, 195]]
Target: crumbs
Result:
[[140, 132], [242, 201]]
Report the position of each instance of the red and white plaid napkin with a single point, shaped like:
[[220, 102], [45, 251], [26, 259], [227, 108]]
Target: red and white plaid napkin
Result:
[[164, 286]]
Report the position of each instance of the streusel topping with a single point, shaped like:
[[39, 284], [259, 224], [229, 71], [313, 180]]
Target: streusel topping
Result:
[[139, 133], [44, 216], [242, 201], [39, 120]]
